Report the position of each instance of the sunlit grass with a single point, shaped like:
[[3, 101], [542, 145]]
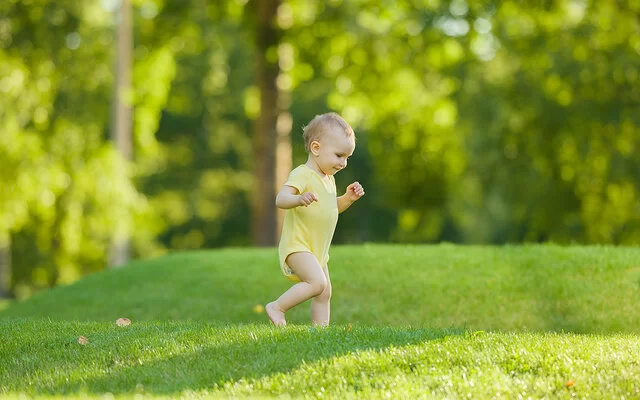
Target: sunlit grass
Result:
[[201, 360]]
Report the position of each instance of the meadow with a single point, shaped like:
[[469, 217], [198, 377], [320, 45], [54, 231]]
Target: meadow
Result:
[[439, 321]]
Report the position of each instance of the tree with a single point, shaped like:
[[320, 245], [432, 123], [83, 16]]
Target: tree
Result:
[[122, 118], [264, 223]]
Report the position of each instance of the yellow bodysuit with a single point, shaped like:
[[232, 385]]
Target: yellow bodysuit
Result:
[[309, 228]]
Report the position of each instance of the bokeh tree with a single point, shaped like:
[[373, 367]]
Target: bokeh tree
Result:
[[550, 119], [66, 185]]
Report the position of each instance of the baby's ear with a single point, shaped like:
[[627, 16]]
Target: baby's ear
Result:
[[314, 147]]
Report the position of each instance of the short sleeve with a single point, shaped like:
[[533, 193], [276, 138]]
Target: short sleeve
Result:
[[298, 179]]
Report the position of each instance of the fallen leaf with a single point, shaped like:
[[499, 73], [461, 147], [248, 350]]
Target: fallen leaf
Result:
[[258, 309], [83, 340], [569, 383], [348, 328], [123, 322]]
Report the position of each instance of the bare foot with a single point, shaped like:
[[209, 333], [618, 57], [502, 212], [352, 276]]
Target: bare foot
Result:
[[275, 315]]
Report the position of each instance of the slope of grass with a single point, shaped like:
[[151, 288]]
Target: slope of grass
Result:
[[535, 288], [199, 360], [408, 322]]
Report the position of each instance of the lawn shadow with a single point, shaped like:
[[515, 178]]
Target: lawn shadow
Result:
[[250, 357]]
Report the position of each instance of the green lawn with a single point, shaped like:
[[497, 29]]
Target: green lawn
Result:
[[408, 321]]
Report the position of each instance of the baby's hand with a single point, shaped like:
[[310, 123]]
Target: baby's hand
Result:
[[307, 198], [355, 191]]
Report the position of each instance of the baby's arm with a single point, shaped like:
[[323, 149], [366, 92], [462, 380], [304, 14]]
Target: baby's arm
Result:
[[289, 198]]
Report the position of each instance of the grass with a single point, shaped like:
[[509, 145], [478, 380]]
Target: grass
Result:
[[408, 321], [198, 360]]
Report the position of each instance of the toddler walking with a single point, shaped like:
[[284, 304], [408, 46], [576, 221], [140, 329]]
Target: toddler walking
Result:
[[310, 199]]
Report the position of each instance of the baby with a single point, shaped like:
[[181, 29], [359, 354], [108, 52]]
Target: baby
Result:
[[310, 199]]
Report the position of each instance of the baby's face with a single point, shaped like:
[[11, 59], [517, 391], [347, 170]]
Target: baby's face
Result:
[[335, 148]]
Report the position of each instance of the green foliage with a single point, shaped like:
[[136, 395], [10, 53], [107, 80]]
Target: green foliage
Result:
[[67, 189], [202, 191], [555, 104]]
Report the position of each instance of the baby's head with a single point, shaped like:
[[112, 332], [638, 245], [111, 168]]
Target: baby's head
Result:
[[330, 142], [323, 126]]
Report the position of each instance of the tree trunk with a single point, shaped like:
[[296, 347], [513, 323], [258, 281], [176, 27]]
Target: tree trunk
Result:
[[265, 135], [5, 265], [122, 119]]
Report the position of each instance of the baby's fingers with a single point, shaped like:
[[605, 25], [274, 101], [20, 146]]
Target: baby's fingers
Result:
[[357, 189], [308, 198]]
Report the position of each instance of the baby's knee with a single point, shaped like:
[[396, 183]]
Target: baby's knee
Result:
[[325, 296], [318, 285]]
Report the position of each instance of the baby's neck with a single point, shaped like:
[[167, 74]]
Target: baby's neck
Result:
[[312, 164]]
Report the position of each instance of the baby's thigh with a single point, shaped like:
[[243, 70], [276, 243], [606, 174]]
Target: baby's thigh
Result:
[[305, 265]]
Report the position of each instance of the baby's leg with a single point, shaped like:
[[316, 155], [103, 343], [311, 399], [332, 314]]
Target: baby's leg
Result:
[[320, 307], [306, 267]]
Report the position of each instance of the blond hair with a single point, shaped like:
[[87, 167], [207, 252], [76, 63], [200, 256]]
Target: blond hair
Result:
[[320, 124]]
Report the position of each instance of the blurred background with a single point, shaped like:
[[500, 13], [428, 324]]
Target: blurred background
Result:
[[130, 128]]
